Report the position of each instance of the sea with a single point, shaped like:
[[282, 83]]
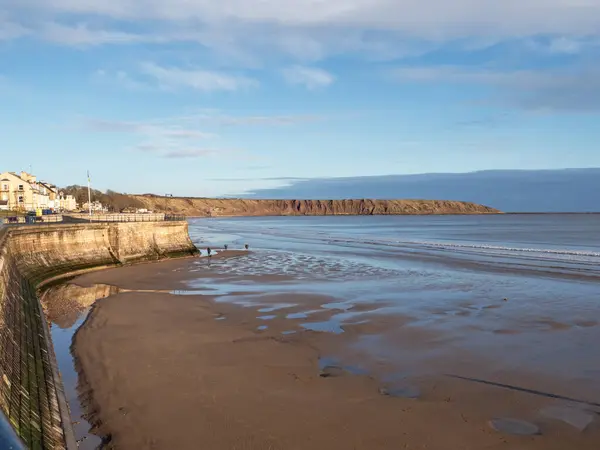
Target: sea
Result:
[[521, 291]]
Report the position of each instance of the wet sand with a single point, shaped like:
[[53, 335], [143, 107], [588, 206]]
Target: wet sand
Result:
[[164, 371]]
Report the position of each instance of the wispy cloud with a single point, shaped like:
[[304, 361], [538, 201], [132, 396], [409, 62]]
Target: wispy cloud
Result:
[[186, 136], [191, 153], [117, 126], [119, 78], [564, 45], [309, 77], [11, 30], [197, 79], [81, 35], [426, 17], [249, 31], [229, 120], [177, 151], [163, 139], [192, 125], [539, 90]]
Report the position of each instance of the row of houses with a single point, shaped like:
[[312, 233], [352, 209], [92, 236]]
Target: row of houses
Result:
[[23, 192]]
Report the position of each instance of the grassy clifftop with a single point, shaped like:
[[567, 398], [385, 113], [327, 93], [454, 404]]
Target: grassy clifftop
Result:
[[251, 207]]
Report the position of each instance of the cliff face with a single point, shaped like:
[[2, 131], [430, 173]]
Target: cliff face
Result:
[[249, 207]]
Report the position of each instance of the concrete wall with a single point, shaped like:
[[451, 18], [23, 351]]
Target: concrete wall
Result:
[[30, 389]]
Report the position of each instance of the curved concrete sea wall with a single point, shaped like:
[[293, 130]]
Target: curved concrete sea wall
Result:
[[30, 256]]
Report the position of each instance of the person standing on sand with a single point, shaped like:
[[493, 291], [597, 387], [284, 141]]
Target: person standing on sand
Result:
[[225, 246], [246, 246], [208, 251]]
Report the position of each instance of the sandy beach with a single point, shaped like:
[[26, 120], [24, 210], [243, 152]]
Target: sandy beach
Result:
[[162, 367]]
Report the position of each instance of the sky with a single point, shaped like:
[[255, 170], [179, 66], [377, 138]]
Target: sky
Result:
[[214, 98]]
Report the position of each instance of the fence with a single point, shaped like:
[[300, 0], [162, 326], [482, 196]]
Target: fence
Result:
[[83, 218], [32, 220], [123, 217]]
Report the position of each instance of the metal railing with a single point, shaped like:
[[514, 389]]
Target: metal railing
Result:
[[86, 218], [123, 217], [31, 220]]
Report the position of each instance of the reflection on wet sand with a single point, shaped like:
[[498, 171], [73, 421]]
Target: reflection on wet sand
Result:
[[64, 304], [209, 345]]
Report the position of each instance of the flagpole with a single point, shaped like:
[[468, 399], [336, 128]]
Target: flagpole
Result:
[[89, 196]]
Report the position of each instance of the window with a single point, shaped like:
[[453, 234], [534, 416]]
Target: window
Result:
[[20, 187], [5, 187], [20, 199]]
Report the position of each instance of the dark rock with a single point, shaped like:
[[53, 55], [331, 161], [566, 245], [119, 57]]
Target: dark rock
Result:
[[331, 371]]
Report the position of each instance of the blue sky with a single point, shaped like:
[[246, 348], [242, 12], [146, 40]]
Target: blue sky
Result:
[[197, 97]]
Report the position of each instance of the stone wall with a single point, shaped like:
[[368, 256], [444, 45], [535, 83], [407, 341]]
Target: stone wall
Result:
[[30, 388]]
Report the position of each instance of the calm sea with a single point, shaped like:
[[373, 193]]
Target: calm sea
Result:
[[521, 290], [559, 244]]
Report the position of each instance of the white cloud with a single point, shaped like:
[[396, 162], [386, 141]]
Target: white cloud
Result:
[[119, 78], [83, 35], [201, 80], [176, 151], [309, 77], [191, 153], [425, 17], [146, 129], [169, 139], [262, 120], [305, 31], [185, 136], [539, 90], [472, 75], [10, 30]]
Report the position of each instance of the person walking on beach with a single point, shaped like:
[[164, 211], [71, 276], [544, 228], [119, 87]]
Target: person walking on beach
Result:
[[225, 246], [246, 246], [208, 251]]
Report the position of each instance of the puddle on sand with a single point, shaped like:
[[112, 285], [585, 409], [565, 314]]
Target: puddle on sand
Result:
[[341, 306], [328, 363], [299, 315], [329, 326], [66, 308], [271, 317], [262, 328], [515, 427], [276, 307]]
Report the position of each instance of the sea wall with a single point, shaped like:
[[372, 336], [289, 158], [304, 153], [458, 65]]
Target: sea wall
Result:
[[30, 256]]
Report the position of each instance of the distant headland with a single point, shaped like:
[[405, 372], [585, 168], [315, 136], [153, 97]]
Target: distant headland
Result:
[[215, 207]]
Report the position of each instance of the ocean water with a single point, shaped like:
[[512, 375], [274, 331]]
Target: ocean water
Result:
[[522, 291], [566, 244]]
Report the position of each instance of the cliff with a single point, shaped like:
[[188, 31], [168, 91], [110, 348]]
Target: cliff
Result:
[[31, 397], [249, 207]]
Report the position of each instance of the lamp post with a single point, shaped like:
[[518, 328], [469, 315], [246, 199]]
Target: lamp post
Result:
[[166, 199], [89, 195]]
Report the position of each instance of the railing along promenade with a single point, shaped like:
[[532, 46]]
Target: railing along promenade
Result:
[[82, 218]]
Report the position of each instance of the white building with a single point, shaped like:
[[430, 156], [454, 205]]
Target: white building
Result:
[[22, 192], [96, 207], [66, 202]]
